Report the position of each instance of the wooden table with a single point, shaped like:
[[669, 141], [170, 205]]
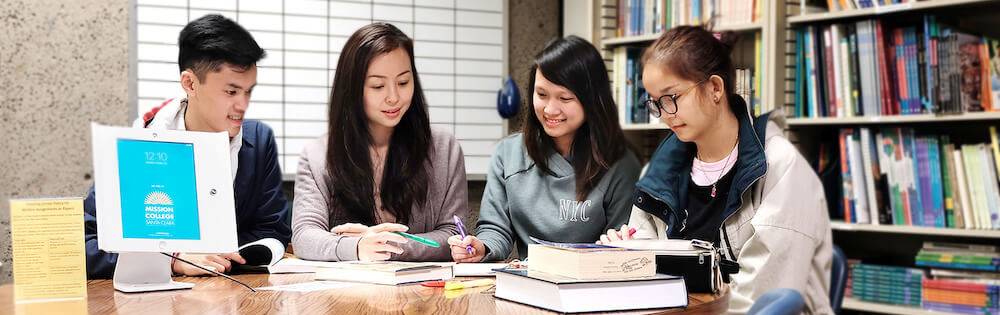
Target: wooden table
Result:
[[215, 295]]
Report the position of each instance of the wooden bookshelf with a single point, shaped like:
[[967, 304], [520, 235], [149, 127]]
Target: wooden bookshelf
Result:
[[896, 119], [882, 10], [859, 305], [648, 38], [907, 229], [630, 40]]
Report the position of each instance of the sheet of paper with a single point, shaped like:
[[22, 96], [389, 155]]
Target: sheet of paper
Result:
[[477, 269], [48, 249], [309, 286]]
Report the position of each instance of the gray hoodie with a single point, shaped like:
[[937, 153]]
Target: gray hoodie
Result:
[[521, 201]]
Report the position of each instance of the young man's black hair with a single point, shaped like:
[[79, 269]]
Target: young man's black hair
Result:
[[209, 41]]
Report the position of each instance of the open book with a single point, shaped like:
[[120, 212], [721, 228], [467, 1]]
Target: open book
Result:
[[268, 256]]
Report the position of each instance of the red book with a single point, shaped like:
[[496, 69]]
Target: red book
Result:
[[885, 60], [955, 285]]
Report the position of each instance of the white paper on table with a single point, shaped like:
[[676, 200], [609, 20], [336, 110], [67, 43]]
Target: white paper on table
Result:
[[477, 269], [309, 286]]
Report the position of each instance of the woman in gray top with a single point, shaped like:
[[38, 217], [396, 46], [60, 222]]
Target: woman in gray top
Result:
[[568, 176], [381, 168]]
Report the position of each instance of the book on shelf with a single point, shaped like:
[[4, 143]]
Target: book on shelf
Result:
[[384, 272], [569, 295], [641, 17], [819, 6], [878, 67], [885, 284], [959, 256], [629, 93], [591, 261], [960, 291], [893, 176]]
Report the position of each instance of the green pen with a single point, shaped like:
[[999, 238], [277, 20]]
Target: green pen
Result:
[[421, 240]]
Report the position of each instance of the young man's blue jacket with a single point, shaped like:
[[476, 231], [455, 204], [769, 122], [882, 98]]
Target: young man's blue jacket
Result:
[[260, 203]]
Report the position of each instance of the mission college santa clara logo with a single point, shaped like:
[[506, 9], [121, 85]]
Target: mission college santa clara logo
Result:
[[159, 209], [157, 184]]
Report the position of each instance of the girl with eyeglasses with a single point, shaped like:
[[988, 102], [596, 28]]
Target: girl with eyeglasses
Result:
[[568, 176], [727, 177]]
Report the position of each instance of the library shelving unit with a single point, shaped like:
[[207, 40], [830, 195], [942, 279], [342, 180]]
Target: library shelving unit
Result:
[[896, 243], [765, 64], [776, 25]]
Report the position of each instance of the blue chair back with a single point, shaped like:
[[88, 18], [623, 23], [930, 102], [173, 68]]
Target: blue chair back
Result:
[[838, 279], [780, 301]]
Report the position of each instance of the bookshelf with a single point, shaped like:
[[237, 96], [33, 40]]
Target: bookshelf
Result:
[[811, 134], [918, 230], [649, 38], [776, 26], [884, 10], [763, 31], [894, 119]]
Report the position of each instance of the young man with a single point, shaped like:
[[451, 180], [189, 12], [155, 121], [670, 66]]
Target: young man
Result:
[[218, 72]]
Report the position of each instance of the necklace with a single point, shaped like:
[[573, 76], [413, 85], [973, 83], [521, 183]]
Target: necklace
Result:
[[723, 169]]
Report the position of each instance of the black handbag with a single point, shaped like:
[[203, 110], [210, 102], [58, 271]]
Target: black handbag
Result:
[[699, 262]]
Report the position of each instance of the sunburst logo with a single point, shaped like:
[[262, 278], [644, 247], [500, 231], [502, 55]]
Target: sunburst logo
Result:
[[159, 198]]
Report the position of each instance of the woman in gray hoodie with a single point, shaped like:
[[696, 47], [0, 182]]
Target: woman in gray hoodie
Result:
[[569, 175]]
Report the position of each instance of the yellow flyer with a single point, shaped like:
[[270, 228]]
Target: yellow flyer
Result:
[[48, 249]]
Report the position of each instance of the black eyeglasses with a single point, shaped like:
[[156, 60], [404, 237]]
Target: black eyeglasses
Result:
[[668, 105]]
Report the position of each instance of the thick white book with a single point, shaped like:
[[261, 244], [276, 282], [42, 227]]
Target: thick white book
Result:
[[385, 272], [569, 295]]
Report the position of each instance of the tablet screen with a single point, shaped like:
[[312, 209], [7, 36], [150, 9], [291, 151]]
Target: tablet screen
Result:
[[158, 190]]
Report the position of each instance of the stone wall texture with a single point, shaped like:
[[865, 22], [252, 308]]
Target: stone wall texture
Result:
[[63, 64]]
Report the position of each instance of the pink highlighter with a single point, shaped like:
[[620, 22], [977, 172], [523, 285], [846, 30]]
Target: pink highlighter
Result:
[[461, 231]]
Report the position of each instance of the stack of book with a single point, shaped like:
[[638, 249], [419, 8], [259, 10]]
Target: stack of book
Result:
[[640, 17], [886, 284], [878, 67], [962, 292], [892, 176], [959, 256], [570, 277]]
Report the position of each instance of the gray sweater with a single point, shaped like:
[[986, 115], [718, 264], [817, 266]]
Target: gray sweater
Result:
[[521, 201], [447, 195]]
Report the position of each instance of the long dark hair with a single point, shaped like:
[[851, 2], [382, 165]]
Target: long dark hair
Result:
[[575, 64], [348, 161]]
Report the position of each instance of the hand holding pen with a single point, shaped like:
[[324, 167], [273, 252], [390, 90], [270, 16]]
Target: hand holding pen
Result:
[[465, 248], [461, 231]]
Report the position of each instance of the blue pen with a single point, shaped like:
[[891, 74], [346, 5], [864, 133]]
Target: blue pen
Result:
[[461, 231]]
